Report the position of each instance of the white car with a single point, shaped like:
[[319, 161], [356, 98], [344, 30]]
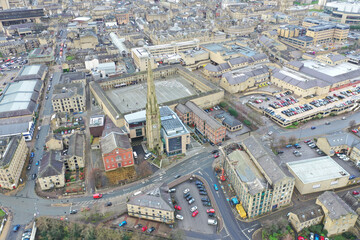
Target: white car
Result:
[[172, 190], [346, 159], [186, 191], [180, 217], [270, 133], [193, 209]]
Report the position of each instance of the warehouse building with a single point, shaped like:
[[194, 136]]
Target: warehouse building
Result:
[[318, 174]]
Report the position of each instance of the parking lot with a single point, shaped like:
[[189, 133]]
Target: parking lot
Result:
[[307, 153], [189, 223]]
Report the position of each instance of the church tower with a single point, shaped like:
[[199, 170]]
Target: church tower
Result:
[[153, 124]]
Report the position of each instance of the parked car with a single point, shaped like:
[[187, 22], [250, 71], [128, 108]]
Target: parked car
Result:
[[193, 208], [144, 228], [215, 151], [177, 176], [186, 191], [150, 230], [177, 207], [123, 223], [203, 193], [138, 226], [195, 213], [301, 238], [191, 200], [16, 228], [307, 141], [355, 192], [210, 210], [205, 199], [211, 214], [172, 190], [108, 204], [180, 217], [206, 204], [186, 195]]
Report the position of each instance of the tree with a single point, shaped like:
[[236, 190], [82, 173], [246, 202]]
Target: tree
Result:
[[143, 169], [352, 123], [177, 234], [292, 139], [282, 141]]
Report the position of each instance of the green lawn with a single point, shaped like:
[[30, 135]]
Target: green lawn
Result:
[[2, 213]]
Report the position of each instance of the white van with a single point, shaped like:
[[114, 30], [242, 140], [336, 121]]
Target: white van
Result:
[[212, 222], [135, 154], [148, 155]]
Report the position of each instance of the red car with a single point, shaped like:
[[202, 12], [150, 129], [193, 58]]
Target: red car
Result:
[[322, 238], [354, 131], [216, 155], [210, 211], [177, 207], [300, 238], [355, 192], [306, 141], [195, 213], [144, 228], [97, 195]]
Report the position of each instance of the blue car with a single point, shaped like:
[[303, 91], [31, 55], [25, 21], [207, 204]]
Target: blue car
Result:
[[289, 146], [37, 163], [317, 237], [16, 228], [312, 128], [123, 223], [216, 187]]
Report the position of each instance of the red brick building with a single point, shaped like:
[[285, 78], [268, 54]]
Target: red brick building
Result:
[[116, 151], [206, 125]]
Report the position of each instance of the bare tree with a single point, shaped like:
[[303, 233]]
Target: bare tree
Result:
[[282, 141], [143, 169], [352, 123], [292, 139]]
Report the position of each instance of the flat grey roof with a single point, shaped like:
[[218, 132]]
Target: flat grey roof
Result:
[[170, 122], [317, 169]]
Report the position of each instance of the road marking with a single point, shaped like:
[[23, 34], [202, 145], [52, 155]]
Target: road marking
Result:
[[200, 172]]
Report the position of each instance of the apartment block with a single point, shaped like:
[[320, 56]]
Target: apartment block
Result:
[[206, 125], [69, 98], [259, 183], [154, 205], [13, 152]]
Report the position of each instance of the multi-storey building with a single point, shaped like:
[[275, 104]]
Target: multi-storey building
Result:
[[116, 151], [257, 180], [13, 152], [204, 124], [75, 157], [154, 205], [339, 217], [69, 98], [52, 171]]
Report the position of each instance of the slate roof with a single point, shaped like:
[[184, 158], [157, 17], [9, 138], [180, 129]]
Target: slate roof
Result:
[[12, 144], [336, 207], [113, 141], [51, 164], [343, 139], [158, 198], [62, 91], [203, 115], [237, 77], [76, 145], [182, 108], [308, 213], [273, 173]]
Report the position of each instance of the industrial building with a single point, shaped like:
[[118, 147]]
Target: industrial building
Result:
[[32, 72], [318, 174], [21, 15]]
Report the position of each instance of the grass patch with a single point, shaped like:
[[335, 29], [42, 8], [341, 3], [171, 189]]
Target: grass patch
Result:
[[69, 58], [156, 162], [2, 213], [291, 127]]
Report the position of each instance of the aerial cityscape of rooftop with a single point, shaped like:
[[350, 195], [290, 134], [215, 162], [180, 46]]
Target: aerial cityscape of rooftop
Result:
[[180, 119]]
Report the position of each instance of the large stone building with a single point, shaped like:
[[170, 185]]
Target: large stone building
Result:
[[306, 217], [69, 98], [41, 56], [75, 157], [13, 153], [86, 40], [206, 125], [52, 171], [259, 183], [341, 143], [318, 174], [154, 205], [116, 151], [343, 11], [16, 16], [339, 217]]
